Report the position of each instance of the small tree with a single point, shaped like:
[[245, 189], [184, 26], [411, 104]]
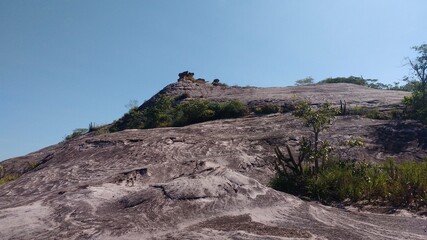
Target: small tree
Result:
[[304, 81], [418, 100], [317, 120], [292, 172]]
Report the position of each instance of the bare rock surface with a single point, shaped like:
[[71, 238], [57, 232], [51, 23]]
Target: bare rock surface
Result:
[[354, 95], [204, 181]]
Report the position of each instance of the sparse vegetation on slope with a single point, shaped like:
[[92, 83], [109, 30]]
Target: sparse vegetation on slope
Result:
[[76, 133], [266, 109], [396, 184], [168, 112], [317, 175]]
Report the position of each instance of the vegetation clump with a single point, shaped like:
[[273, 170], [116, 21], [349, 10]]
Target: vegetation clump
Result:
[[417, 102], [371, 83], [5, 178], [396, 184], [266, 109], [169, 112], [76, 133], [315, 174]]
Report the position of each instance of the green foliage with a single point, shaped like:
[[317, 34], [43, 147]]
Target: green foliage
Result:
[[77, 133], [232, 109], [266, 109], [98, 129], [194, 111], [416, 106], [7, 179], [374, 113], [417, 102], [351, 79], [32, 164], [396, 184], [159, 114], [304, 81], [372, 83], [168, 112], [131, 120], [317, 120]]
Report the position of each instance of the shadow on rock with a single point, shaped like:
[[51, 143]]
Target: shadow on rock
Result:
[[397, 137]]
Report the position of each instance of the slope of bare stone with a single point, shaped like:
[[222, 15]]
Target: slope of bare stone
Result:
[[205, 181], [354, 95]]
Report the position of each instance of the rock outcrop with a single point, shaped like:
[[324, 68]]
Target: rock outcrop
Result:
[[203, 181], [353, 95]]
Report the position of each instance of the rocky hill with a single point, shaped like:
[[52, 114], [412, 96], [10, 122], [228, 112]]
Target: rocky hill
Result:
[[354, 95], [203, 181]]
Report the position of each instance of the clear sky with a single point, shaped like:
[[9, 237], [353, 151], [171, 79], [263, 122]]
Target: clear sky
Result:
[[66, 63]]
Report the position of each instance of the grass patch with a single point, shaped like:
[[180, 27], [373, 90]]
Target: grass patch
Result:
[[372, 113], [401, 185], [7, 179]]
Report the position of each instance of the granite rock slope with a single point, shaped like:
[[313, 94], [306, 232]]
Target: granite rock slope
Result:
[[354, 95], [203, 181]]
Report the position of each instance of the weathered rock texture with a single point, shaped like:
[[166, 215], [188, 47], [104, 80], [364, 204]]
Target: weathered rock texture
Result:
[[204, 181], [354, 95]]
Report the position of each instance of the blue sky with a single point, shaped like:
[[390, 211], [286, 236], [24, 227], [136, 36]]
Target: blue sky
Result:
[[66, 63]]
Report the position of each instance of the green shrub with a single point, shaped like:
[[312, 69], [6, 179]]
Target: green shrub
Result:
[[351, 79], [372, 113], [416, 107], [160, 114], [231, 109], [167, 112], [131, 120], [266, 109], [193, 111], [376, 114], [417, 102], [76, 133], [7, 179], [397, 184]]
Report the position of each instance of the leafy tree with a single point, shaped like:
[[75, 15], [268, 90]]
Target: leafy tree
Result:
[[419, 65], [304, 81], [292, 173], [417, 102], [318, 120]]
